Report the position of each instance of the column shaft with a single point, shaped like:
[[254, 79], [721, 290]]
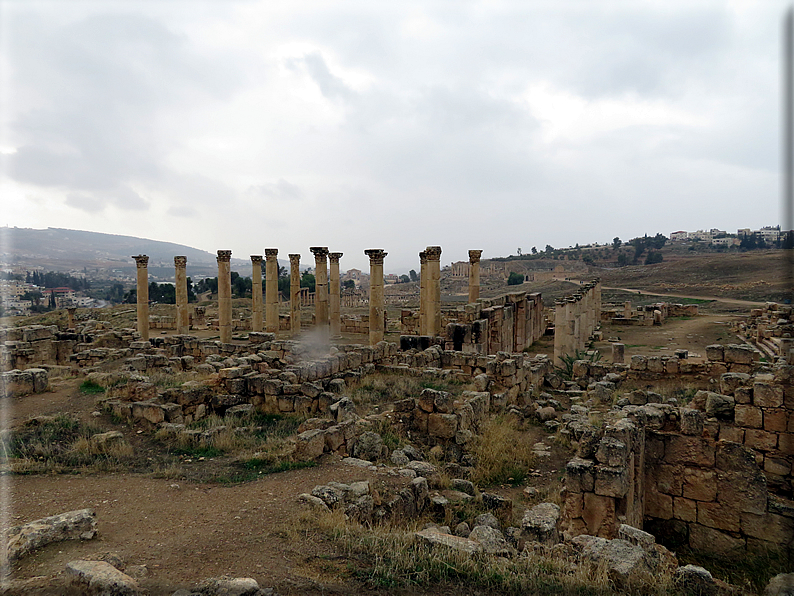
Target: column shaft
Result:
[[256, 293], [474, 275], [180, 283], [334, 296], [225, 295], [271, 290], [423, 285], [142, 262], [434, 291], [321, 290], [377, 305], [295, 294]]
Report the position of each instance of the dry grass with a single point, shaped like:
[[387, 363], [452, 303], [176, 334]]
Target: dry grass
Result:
[[391, 558], [383, 388], [504, 454], [63, 444]]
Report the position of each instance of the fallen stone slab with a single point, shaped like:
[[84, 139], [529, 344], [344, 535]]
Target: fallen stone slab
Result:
[[492, 541], [434, 538], [73, 525], [231, 586], [99, 578], [540, 523]]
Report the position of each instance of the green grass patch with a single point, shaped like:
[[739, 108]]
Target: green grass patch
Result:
[[749, 571], [91, 388], [200, 450], [254, 468]]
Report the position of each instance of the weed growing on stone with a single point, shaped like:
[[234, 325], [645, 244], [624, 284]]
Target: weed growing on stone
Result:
[[89, 387]]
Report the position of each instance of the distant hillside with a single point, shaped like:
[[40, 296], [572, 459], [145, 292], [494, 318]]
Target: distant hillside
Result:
[[78, 245]]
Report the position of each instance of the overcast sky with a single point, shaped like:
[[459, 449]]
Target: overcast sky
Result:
[[358, 124]]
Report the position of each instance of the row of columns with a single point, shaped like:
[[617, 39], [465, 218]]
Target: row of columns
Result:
[[327, 303], [575, 319]]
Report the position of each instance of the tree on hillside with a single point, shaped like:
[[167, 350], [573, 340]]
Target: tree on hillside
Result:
[[653, 258], [616, 243], [412, 274], [349, 284], [515, 279], [308, 281]]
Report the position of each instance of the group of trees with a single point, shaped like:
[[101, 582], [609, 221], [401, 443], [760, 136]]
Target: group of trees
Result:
[[55, 279], [159, 293], [242, 286]]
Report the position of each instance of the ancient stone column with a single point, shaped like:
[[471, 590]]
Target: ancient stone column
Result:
[[142, 262], [618, 353], [434, 290], [225, 295], [70, 317], [474, 275], [271, 290], [423, 285], [321, 290], [560, 327], [627, 309], [377, 304], [180, 282], [294, 294], [256, 293], [334, 296]]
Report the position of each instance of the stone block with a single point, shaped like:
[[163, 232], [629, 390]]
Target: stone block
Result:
[[443, 426], [685, 509], [786, 444], [738, 354], [689, 450], [775, 420], [639, 363], [655, 364], [728, 432], [730, 381], [760, 440], [599, 515], [668, 479], [612, 452], [718, 515], [709, 540], [579, 476], [777, 466], [719, 406], [770, 527], [700, 485], [691, 422], [310, 445], [749, 416], [715, 353], [657, 504], [100, 577], [539, 523], [573, 505], [766, 395], [743, 395], [611, 482]]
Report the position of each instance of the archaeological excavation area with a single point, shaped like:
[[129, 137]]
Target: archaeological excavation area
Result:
[[498, 444]]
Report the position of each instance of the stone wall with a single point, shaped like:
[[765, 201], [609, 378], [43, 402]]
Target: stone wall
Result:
[[716, 476], [771, 329]]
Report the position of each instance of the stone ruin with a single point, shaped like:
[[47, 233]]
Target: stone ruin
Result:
[[715, 475], [647, 315]]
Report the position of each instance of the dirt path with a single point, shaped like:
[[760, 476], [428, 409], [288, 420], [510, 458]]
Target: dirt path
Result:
[[731, 301], [182, 532]]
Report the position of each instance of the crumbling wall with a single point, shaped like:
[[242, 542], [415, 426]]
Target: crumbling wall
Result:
[[716, 476]]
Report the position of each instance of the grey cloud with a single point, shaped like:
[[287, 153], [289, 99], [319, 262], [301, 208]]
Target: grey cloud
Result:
[[182, 211], [101, 86], [281, 190], [330, 86], [85, 202]]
